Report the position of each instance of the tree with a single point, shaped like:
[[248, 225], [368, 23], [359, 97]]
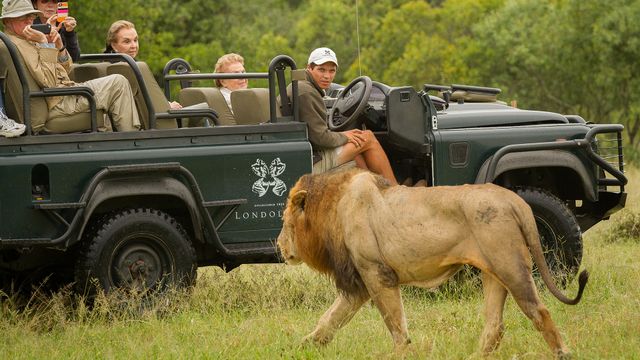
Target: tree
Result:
[[616, 41], [396, 30], [568, 56], [330, 23]]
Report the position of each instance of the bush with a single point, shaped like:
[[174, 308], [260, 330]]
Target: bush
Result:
[[625, 228]]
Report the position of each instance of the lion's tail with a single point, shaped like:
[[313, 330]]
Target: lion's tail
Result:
[[530, 232]]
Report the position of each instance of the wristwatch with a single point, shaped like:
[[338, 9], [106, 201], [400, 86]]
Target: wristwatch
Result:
[[63, 58]]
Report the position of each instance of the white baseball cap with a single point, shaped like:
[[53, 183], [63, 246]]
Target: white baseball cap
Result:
[[322, 55]]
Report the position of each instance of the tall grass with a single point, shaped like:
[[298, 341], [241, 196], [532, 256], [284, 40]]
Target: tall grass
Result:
[[263, 311]]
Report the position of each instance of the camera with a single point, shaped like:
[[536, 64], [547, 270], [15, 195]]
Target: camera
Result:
[[43, 28]]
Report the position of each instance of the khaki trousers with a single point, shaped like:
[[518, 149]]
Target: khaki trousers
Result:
[[112, 94], [328, 161]]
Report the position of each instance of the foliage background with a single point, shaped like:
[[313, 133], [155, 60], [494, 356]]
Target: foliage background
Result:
[[569, 56]]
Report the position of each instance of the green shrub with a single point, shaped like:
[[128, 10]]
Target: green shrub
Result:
[[626, 227]]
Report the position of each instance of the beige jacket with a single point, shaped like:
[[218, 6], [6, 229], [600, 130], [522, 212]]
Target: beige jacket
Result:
[[314, 112], [43, 65]]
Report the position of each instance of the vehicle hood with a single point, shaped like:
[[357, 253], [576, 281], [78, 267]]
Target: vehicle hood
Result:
[[484, 115]]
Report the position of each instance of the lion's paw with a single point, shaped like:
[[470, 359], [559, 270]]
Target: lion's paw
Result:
[[402, 347], [317, 339], [564, 355]]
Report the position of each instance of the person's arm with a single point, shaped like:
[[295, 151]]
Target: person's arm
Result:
[[40, 59], [174, 105], [314, 113], [70, 40]]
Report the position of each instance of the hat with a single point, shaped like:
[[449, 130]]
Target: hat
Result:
[[322, 55], [17, 8]]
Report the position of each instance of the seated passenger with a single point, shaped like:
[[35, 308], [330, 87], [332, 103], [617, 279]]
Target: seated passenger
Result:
[[123, 38], [66, 28], [335, 148], [48, 63], [230, 63]]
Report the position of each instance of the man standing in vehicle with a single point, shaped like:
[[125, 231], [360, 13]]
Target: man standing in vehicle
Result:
[[335, 148], [48, 62]]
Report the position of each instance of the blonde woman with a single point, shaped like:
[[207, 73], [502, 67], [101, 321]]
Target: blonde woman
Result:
[[230, 63], [122, 38]]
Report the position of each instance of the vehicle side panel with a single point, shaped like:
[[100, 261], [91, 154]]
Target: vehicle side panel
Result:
[[222, 162], [460, 153]]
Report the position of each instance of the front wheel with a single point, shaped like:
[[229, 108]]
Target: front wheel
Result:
[[136, 249], [559, 231]]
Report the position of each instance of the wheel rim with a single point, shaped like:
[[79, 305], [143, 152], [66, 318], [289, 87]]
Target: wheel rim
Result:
[[140, 262]]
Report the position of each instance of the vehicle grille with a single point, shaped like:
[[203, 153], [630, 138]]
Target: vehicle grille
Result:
[[608, 146]]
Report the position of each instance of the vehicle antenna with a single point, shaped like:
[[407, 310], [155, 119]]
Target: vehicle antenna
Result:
[[358, 37]]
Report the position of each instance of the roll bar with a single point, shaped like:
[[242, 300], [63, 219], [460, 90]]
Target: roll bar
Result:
[[275, 76]]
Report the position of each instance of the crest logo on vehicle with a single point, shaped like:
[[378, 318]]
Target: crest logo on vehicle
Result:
[[269, 177]]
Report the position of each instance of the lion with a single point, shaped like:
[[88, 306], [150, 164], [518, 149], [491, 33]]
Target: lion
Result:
[[370, 238]]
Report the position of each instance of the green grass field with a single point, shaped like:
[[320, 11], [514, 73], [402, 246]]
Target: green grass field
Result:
[[263, 311]]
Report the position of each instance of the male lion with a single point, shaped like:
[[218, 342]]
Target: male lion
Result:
[[370, 238]]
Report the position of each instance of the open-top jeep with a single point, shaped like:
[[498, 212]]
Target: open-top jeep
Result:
[[205, 186]]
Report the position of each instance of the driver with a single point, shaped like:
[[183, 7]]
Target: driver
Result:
[[332, 149]]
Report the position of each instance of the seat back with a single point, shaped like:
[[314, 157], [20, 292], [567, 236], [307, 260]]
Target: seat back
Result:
[[89, 71], [251, 106], [159, 103], [214, 99]]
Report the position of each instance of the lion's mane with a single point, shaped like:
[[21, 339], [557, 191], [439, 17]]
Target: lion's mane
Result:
[[321, 242]]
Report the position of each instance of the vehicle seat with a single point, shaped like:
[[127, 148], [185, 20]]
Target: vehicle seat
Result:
[[10, 78], [158, 100], [214, 99], [251, 106], [88, 71]]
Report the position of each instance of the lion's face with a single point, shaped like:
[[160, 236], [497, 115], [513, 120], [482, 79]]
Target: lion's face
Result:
[[286, 243], [287, 238]]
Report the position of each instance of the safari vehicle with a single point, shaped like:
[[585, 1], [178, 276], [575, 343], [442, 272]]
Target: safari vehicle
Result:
[[206, 187]]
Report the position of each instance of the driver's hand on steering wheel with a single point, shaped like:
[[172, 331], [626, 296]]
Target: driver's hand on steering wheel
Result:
[[355, 136]]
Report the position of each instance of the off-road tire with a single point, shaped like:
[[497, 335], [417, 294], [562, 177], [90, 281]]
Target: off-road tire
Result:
[[559, 231], [140, 249]]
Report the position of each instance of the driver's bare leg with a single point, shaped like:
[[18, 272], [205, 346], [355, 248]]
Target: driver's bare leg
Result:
[[378, 162], [373, 154]]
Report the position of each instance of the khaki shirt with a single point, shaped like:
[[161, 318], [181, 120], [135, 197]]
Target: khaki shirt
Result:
[[314, 112], [42, 64]]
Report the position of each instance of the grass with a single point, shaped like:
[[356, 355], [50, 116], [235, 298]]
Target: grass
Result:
[[263, 311]]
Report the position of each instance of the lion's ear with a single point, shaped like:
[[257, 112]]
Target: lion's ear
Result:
[[298, 199]]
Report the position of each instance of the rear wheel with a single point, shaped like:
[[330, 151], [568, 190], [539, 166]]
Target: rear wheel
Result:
[[559, 231], [136, 249]]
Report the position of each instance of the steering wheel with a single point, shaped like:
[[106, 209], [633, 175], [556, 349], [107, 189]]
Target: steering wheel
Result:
[[350, 104]]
